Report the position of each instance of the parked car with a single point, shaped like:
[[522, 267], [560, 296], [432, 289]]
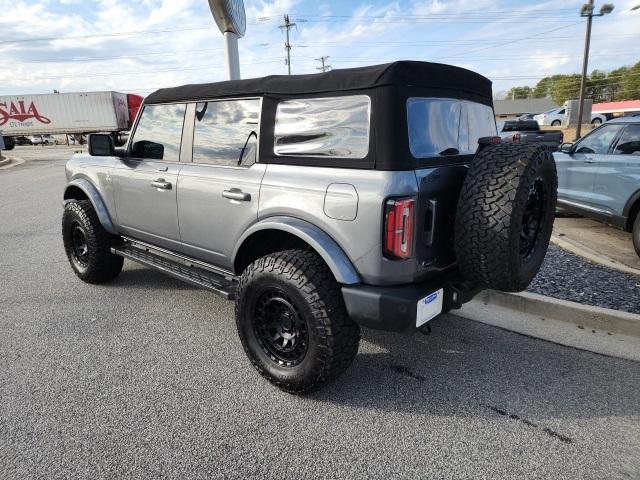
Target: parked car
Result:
[[320, 203], [42, 140], [599, 175], [22, 141], [555, 116], [529, 132]]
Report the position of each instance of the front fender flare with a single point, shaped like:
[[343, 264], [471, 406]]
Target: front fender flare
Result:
[[337, 261], [96, 200]]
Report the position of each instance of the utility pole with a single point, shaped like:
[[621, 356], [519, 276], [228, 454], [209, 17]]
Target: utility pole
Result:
[[587, 11], [325, 67], [287, 26]]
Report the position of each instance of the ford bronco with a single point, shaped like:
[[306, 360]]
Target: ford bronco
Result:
[[378, 196]]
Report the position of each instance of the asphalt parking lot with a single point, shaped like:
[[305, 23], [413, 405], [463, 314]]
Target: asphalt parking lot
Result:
[[145, 377]]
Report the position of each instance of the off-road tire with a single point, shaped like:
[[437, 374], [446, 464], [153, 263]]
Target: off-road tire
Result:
[[333, 338], [636, 234], [98, 264], [490, 211]]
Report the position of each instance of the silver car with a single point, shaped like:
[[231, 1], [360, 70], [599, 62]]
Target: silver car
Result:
[[377, 197], [599, 175]]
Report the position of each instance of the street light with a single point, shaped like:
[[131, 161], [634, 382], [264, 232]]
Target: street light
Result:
[[587, 11]]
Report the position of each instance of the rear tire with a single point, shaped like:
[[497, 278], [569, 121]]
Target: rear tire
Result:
[[596, 121], [505, 215], [88, 244], [292, 321], [636, 234]]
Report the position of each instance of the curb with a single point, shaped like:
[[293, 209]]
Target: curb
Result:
[[592, 256], [10, 162], [600, 330], [587, 316]]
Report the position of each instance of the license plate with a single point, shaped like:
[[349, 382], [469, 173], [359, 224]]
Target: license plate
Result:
[[429, 307]]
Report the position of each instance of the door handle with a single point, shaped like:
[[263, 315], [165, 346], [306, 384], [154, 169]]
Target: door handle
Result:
[[161, 184], [236, 194], [588, 161]]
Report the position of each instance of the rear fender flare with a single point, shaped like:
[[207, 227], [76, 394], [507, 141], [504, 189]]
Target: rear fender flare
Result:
[[335, 258], [96, 200]]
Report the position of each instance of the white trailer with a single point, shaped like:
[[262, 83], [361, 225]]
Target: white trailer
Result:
[[67, 113]]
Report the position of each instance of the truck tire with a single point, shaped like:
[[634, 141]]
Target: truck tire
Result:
[[292, 321], [505, 215], [636, 234], [88, 245]]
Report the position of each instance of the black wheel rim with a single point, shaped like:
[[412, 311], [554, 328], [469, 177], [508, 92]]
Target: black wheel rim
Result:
[[532, 220], [79, 245], [279, 328]]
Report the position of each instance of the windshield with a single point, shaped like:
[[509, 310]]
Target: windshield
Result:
[[443, 126]]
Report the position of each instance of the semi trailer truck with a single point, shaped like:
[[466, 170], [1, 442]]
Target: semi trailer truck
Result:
[[75, 113]]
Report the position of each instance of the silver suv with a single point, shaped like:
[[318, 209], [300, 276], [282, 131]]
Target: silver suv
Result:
[[376, 196]]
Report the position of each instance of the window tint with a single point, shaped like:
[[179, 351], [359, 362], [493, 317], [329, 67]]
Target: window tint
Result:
[[599, 140], [629, 143], [225, 131], [335, 127], [159, 133], [439, 126]]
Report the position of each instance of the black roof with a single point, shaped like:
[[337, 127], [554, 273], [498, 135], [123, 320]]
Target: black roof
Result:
[[402, 73]]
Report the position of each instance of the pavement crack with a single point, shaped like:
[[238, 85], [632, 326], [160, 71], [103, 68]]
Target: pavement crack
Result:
[[529, 423], [402, 370]]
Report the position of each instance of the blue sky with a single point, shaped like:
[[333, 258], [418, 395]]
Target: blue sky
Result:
[[141, 45]]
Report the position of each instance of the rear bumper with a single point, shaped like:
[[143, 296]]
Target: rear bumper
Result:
[[394, 308]]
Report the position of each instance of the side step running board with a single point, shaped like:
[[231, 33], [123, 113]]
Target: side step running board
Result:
[[220, 284]]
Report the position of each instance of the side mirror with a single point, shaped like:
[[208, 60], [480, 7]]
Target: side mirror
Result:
[[566, 147], [101, 145], [147, 149]]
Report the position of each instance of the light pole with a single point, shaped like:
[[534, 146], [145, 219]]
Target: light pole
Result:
[[232, 22], [587, 11]]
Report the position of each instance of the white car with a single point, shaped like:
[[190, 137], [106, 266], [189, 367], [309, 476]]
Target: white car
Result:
[[555, 117], [42, 140]]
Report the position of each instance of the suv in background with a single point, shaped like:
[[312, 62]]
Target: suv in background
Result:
[[555, 116], [599, 175], [42, 140], [377, 196]]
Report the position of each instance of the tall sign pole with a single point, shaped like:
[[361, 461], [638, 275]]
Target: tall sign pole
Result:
[[232, 22]]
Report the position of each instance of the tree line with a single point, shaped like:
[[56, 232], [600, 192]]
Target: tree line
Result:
[[620, 84]]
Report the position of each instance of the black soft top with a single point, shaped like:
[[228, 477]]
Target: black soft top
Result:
[[401, 74]]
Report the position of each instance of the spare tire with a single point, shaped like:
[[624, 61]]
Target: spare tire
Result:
[[505, 215]]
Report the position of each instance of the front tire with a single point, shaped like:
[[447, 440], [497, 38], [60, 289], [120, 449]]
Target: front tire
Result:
[[292, 321], [88, 245], [556, 123], [636, 234]]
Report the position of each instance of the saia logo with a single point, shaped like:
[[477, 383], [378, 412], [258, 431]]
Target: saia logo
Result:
[[18, 111]]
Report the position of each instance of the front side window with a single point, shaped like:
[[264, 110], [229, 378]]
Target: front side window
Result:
[[441, 126], [629, 143], [226, 132], [336, 127], [599, 140], [159, 133]]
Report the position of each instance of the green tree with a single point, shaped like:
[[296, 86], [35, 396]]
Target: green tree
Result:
[[615, 83], [630, 85], [519, 92], [597, 86]]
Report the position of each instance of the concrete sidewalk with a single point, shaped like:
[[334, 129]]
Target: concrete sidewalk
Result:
[[597, 242]]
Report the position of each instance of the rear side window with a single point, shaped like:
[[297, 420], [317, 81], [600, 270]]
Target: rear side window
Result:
[[336, 127], [440, 126], [159, 133], [629, 143], [226, 132]]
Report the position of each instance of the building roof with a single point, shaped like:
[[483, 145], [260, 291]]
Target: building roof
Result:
[[524, 105], [403, 74], [623, 106]]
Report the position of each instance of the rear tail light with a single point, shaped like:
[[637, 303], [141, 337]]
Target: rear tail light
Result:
[[516, 137], [399, 227]]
